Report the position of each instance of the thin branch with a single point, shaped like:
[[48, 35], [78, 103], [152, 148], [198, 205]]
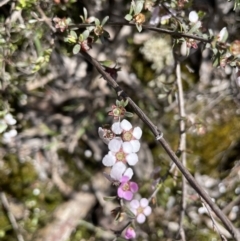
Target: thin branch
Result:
[[4, 2], [173, 33], [10, 216], [159, 137], [233, 203], [45, 18], [182, 146], [215, 226]]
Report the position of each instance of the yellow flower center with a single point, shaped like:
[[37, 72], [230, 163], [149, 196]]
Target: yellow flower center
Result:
[[139, 210], [120, 156], [126, 187], [127, 136]]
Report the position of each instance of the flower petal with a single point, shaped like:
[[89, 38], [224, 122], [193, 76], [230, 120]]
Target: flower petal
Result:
[[117, 171], [137, 132], [101, 135], [120, 192], [193, 17], [130, 233], [124, 179], [127, 147], [128, 195], [147, 210], [132, 159], [129, 173], [135, 145], [134, 204], [109, 160], [133, 187], [115, 144], [141, 218], [144, 202], [116, 128], [126, 125]]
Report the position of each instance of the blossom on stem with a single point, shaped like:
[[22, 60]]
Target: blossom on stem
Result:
[[105, 134], [141, 209], [117, 111], [128, 133], [130, 233], [127, 188], [119, 152]]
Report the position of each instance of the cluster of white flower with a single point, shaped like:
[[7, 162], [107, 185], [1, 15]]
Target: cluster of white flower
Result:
[[5, 122], [123, 144]]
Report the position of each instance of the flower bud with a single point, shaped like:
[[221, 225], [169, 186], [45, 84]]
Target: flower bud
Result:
[[130, 233], [193, 17]]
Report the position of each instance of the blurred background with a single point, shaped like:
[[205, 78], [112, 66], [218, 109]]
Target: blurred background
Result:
[[52, 103]]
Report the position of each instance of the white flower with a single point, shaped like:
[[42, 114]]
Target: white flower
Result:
[[128, 133], [8, 136], [119, 170], [193, 17], [141, 209], [9, 119], [120, 152]]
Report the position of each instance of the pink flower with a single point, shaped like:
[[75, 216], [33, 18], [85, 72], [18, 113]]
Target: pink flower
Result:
[[141, 209], [119, 152], [130, 233], [128, 133], [127, 188]]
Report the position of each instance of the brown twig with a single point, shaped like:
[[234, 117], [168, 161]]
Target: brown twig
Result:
[[45, 18], [159, 137], [10, 216], [215, 226], [173, 33], [4, 2], [229, 207]]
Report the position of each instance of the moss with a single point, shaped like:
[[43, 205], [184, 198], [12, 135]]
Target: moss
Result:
[[211, 147]]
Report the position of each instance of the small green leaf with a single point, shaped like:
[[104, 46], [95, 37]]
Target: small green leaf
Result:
[[216, 60], [215, 51], [236, 5], [128, 17], [105, 20], [109, 198], [129, 213], [125, 103], [68, 20], [106, 63], [73, 33], [85, 34], [195, 27], [90, 29], [76, 49], [129, 114], [85, 13], [97, 22], [139, 28], [138, 8], [3, 126]]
